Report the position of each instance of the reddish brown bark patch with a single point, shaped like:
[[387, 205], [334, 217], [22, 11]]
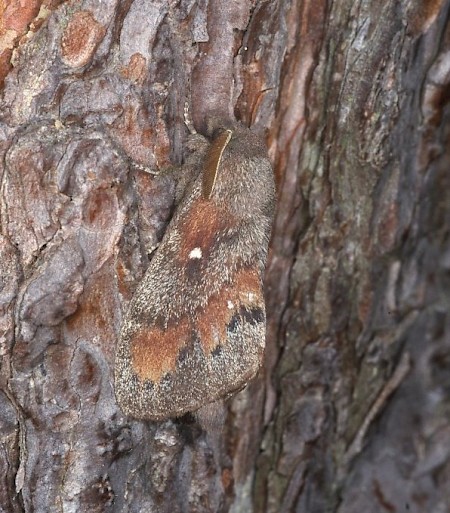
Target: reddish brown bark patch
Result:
[[81, 38], [136, 69]]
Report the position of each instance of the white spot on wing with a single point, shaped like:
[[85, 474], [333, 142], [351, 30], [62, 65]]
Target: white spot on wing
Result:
[[230, 305], [196, 253]]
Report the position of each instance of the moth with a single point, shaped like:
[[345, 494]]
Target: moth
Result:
[[194, 331]]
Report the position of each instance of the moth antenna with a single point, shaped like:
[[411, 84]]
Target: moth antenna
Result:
[[212, 162]]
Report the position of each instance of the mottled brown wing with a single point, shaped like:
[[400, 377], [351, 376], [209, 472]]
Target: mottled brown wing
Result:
[[195, 329]]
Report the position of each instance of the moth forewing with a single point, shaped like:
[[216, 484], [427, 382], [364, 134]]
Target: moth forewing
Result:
[[194, 332]]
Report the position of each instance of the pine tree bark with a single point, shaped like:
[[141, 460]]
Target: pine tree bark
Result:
[[351, 412]]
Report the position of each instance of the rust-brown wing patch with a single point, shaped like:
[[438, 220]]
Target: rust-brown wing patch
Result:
[[243, 294], [154, 351], [199, 228]]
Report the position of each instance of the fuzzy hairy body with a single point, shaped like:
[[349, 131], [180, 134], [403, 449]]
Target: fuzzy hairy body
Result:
[[195, 328]]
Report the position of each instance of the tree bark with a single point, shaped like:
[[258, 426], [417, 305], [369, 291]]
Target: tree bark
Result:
[[351, 410]]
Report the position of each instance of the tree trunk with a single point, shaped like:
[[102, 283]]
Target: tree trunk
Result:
[[351, 412]]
